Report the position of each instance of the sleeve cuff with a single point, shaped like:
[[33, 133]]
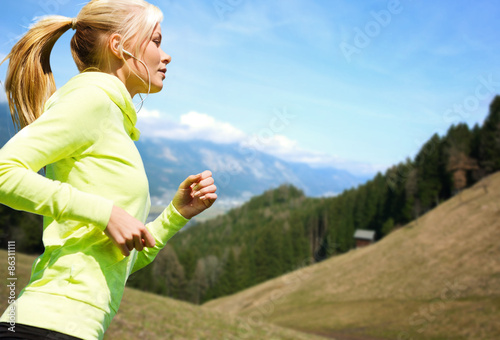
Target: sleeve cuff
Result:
[[177, 220], [166, 225]]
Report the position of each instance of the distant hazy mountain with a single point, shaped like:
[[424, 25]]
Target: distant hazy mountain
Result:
[[240, 172]]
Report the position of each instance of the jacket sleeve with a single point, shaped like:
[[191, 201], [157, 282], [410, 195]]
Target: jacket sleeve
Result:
[[70, 126], [162, 228]]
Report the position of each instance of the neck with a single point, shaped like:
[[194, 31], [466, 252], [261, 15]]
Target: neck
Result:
[[120, 70]]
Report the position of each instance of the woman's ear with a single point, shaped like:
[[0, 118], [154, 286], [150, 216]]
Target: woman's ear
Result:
[[115, 45]]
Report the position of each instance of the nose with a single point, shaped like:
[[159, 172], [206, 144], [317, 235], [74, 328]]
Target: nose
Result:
[[165, 58]]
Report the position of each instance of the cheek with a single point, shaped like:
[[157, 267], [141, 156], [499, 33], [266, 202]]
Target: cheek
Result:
[[153, 57]]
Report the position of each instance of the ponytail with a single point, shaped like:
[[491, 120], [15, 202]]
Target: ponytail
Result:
[[29, 81]]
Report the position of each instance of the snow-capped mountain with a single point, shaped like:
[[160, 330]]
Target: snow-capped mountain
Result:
[[239, 172]]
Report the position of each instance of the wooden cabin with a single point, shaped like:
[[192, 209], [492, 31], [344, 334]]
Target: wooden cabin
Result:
[[364, 237]]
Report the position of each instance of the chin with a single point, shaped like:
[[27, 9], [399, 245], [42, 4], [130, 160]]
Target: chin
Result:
[[155, 88]]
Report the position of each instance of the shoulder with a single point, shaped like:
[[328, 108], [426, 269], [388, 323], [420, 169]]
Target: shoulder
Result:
[[79, 96], [93, 90], [89, 99], [77, 108]]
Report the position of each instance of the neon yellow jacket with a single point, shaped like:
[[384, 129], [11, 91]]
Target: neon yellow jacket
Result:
[[86, 138]]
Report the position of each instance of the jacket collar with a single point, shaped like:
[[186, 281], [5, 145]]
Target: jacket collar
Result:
[[119, 94]]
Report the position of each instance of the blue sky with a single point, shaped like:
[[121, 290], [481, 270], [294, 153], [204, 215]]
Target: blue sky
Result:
[[355, 85]]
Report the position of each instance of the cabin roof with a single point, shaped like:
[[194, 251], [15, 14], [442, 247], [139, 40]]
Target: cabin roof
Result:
[[364, 234]]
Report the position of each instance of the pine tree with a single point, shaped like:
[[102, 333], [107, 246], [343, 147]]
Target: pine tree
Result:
[[489, 149], [430, 172]]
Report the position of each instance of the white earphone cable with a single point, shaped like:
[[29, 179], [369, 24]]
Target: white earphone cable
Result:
[[149, 79]]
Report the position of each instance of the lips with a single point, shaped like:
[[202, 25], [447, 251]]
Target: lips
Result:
[[164, 71]]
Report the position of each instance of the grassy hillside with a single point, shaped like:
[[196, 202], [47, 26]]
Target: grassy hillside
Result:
[[152, 317], [436, 278]]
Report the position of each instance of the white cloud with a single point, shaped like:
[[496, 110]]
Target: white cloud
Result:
[[289, 150], [201, 126], [192, 125], [145, 114]]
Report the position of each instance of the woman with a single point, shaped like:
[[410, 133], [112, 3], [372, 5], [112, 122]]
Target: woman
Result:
[[95, 195]]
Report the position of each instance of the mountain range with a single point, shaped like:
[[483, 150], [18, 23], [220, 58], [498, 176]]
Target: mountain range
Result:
[[240, 172]]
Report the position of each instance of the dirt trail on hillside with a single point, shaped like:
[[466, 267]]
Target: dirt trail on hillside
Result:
[[338, 335]]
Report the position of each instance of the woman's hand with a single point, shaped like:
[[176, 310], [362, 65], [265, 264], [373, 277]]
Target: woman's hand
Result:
[[127, 232], [195, 194]]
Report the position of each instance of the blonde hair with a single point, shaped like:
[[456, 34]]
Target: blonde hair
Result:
[[30, 82]]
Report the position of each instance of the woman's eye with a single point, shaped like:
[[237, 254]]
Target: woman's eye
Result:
[[157, 42]]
